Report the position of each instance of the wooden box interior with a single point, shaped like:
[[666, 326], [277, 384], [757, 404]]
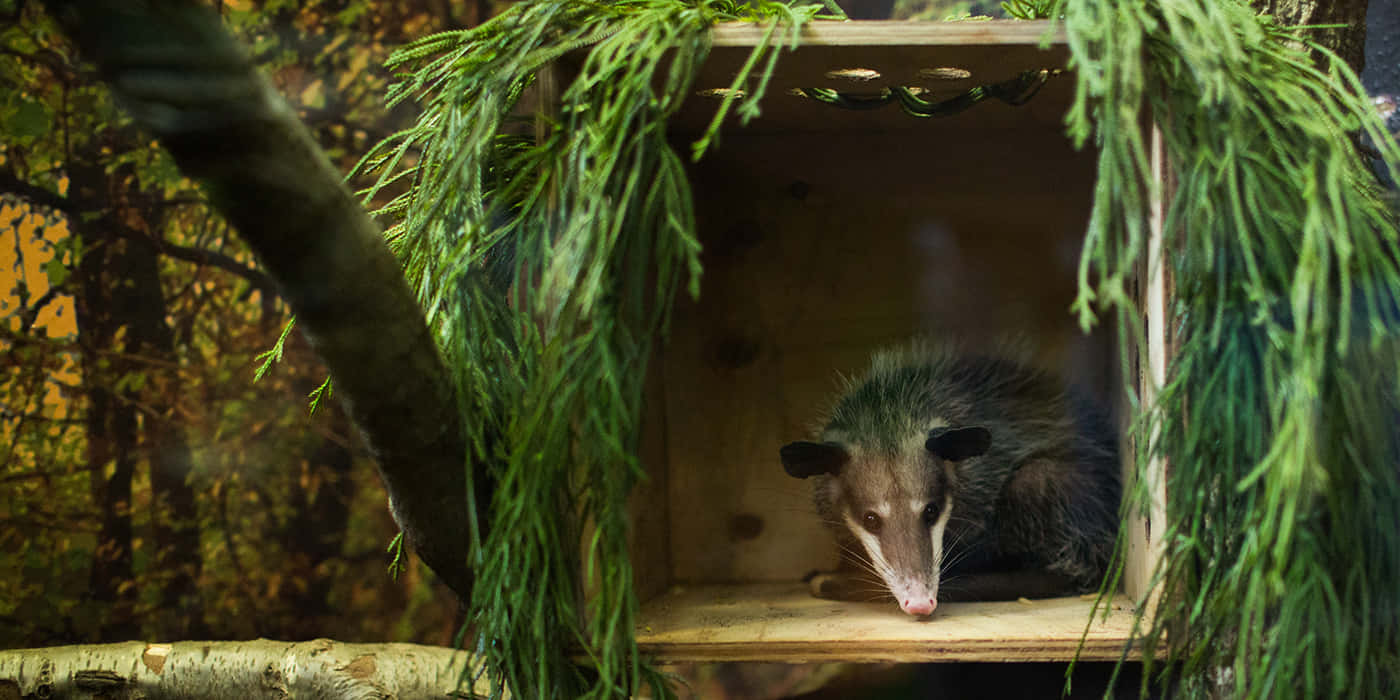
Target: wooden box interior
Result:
[[829, 234]]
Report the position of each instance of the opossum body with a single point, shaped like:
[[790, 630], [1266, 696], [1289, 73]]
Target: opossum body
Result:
[[978, 471]]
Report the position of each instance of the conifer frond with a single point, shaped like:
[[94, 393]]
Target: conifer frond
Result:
[[546, 266], [1281, 575]]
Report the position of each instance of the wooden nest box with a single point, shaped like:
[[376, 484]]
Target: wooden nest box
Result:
[[829, 233]]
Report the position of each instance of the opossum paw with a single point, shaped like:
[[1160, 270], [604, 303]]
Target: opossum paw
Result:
[[831, 586]]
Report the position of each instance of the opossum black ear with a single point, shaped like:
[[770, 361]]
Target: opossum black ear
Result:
[[957, 444], [804, 459]]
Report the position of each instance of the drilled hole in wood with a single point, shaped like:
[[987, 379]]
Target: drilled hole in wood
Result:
[[857, 75], [945, 73], [720, 93]]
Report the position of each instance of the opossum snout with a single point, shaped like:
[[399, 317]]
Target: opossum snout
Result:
[[916, 596], [918, 607]]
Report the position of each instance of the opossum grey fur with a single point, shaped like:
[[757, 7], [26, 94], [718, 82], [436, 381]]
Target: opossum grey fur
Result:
[[1042, 495]]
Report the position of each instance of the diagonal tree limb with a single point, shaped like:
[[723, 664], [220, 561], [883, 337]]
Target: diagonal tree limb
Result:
[[177, 71]]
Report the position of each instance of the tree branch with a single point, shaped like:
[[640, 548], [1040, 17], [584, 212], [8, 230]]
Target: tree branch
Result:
[[258, 668], [181, 76], [200, 256], [12, 184]]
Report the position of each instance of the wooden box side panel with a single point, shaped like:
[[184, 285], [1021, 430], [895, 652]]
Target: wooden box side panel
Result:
[[1155, 288], [649, 511]]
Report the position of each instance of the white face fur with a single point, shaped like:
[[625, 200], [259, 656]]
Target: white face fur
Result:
[[898, 507]]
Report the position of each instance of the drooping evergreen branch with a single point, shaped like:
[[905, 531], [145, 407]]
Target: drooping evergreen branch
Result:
[[547, 257], [1282, 569]]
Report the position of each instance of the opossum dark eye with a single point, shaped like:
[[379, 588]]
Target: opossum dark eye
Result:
[[871, 521], [931, 514]]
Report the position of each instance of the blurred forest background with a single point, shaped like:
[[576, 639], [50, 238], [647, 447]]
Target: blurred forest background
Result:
[[149, 487]]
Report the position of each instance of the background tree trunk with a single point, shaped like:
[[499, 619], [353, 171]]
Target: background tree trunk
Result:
[[1349, 41], [132, 379], [111, 417]]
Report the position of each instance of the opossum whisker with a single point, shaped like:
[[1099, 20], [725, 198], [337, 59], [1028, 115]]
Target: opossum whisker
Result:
[[868, 573], [951, 562], [954, 585], [873, 586], [958, 581], [958, 538], [863, 564], [868, 567], [882, 566], [851, 549], [869, 585], [954, 556]]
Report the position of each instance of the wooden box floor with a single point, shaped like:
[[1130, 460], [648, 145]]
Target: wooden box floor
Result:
[[782, 622]]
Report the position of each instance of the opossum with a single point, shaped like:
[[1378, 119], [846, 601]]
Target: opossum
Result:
[[960, 476]]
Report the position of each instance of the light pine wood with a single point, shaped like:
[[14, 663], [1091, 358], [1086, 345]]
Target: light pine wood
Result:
[[1155, 292], [874, 33], [781, 622], [908, 54]]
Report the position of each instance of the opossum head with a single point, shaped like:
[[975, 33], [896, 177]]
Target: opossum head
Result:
[[896, 504]]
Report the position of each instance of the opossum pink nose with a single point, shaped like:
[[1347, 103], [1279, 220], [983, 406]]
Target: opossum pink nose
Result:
[[919, 607]]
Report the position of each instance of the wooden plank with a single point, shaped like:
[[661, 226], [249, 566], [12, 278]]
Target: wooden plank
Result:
[[941, 58], [997, 32], [782, 622]]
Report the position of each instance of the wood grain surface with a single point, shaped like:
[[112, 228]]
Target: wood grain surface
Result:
[[782, 622]]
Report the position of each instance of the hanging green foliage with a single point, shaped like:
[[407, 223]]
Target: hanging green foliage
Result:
[[1278, 421], [547, 264], [547, 254]]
